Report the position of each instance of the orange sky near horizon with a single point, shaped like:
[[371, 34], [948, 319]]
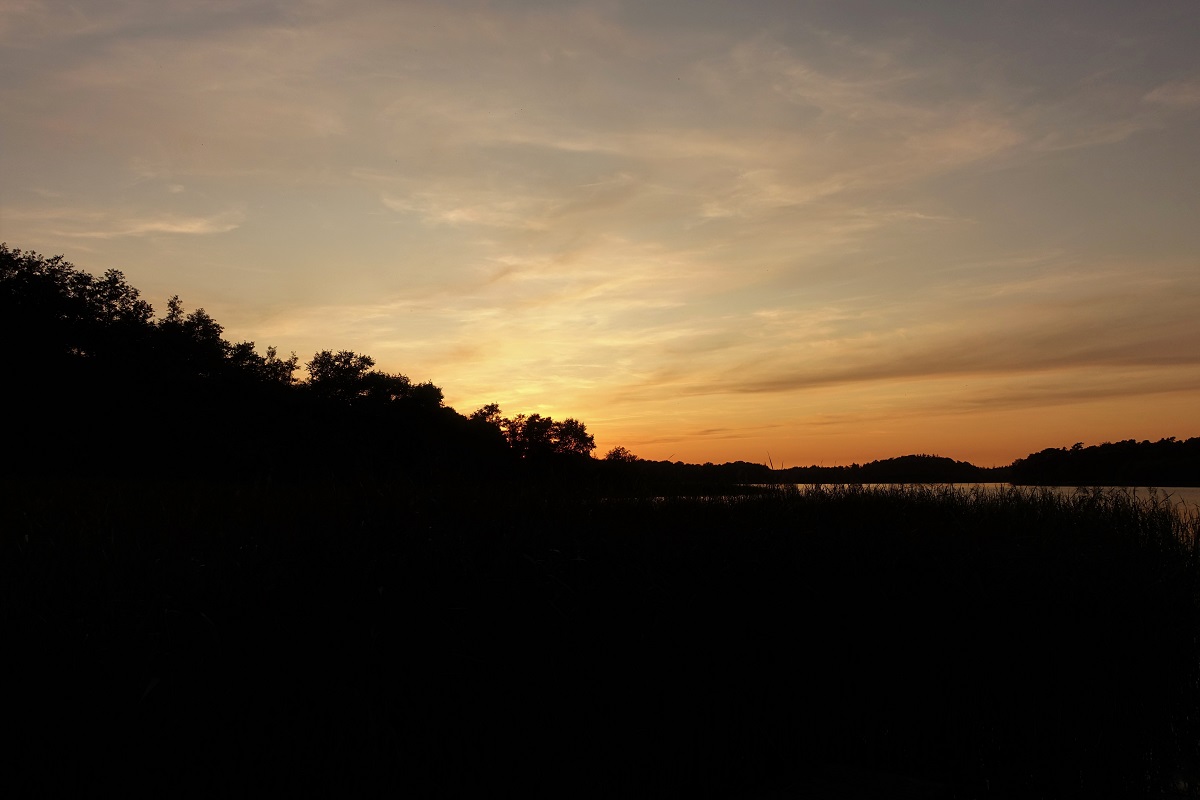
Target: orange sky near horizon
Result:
[[987, 439], [806, 232]]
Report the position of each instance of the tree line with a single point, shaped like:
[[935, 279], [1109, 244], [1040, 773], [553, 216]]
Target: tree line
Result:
[[97, 382], [1167, 462]]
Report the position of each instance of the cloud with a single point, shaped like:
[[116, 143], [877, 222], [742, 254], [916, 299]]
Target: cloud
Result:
[[453, 209], [1058, 322], [1182, 94], [1069, 387], [187, 226]]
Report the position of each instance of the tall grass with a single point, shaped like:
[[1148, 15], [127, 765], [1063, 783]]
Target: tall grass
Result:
[[223, 637]]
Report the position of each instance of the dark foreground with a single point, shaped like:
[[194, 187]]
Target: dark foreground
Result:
[[211, 640]]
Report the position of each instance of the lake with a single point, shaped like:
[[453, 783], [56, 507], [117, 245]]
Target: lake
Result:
[[1186, 496]]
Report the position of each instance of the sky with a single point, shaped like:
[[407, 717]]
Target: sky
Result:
[[782, 232]]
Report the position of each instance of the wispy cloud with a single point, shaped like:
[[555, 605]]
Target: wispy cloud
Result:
[[1070, 324], [187, 226], [1183, 94]]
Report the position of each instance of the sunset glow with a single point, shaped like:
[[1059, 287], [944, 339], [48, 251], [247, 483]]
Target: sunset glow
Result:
[[810, 232]]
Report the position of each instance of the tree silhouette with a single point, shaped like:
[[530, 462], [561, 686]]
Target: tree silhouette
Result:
[[93, 343], [538, 437], [383, 387], [61, 314], [571, 437], [621, 455], [488, 415], [279, 370], [425, 395], [529, 436], [339, 374]]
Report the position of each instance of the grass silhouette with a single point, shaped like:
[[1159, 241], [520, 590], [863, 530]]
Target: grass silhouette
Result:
[[217, 638]]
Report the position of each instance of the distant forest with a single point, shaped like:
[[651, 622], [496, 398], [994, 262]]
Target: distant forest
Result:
[[98, 384]]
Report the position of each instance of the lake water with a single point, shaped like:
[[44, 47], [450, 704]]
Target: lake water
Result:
[[1186, 496]]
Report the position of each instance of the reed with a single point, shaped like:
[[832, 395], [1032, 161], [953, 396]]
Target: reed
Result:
[[547, 637]]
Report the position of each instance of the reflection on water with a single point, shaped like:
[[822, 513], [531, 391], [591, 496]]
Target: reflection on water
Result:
[[1186, 496]]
